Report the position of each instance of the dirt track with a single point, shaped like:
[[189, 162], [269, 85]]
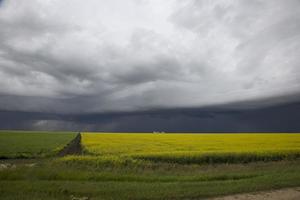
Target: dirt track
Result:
[[73, 148], [283, 194]]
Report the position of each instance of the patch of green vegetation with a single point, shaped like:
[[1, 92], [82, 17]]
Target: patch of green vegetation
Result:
[[65, 177], [214, 158], [31, 144]]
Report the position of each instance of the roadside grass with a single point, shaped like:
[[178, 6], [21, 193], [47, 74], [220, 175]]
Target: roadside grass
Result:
[[32, 144], [59, 179]]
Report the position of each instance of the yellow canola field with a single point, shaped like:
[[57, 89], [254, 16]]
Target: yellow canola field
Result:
[[180, 144]]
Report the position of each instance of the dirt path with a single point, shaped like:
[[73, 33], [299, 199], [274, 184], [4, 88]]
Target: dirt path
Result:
[[73, 148], [283, 194]]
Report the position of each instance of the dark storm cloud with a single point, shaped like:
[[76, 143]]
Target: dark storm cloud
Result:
[[279, 118], [73, 57]]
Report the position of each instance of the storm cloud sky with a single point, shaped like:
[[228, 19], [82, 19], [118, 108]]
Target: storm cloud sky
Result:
[[96, 57]]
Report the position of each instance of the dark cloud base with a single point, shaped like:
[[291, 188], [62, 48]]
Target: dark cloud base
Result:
[[276, 118]]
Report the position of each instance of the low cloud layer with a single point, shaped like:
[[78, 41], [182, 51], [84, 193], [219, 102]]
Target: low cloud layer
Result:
[[96, 56], [278, 118]]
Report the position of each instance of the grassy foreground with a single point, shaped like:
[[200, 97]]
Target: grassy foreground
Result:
[[153, 166], [89, 177]]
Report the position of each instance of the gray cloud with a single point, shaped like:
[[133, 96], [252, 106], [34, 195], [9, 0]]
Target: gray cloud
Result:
[[97, 56], [278, 118]]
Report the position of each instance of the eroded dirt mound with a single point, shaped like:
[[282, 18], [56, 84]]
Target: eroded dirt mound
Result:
[[73, 148]]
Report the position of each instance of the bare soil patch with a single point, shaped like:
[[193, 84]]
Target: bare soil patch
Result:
[[73, 148], [283, 194]]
